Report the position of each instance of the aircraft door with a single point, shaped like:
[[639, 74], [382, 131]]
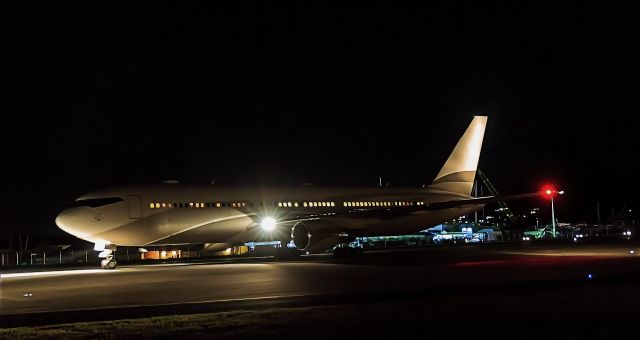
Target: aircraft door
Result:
[[135, 206]]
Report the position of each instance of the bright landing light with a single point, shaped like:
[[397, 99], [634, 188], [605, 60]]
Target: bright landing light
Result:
[[268, 223]]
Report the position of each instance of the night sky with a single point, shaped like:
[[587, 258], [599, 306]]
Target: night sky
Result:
[[325, 93]]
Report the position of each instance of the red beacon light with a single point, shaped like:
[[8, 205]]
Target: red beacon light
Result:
[[550, 192]]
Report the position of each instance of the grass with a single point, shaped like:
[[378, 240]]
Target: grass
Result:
[[587, 311], [223, 324]]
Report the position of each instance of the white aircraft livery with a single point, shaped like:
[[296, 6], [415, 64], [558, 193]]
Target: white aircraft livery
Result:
[[314, 218]]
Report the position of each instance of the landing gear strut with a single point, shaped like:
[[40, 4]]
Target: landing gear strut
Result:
[[283, 252], [108, 261]]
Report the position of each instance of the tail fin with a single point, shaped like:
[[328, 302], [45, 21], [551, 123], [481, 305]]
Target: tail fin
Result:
[[458, 173]]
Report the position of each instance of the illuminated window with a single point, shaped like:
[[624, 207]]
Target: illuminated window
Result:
[[315, 204], [304, 204], [151, 205], [295, 204], [157, 205], [244, 204], [289, 204], [324, 204], [190, 205], [333, 204], [280, 204], [164, 205], [169, 205]]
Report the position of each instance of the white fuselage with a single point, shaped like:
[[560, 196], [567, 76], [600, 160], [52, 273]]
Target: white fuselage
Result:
[[313, 217], [176, 214]]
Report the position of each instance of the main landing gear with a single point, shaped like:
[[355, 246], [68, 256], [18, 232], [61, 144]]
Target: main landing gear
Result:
[[108, 261], [285, 253]]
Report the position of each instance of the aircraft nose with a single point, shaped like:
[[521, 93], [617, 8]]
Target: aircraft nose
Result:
[[72, 221]]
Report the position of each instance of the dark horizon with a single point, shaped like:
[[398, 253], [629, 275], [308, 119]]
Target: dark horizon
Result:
[[330, 95]]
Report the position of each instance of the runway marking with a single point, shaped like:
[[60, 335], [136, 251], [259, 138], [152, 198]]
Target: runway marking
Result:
[[57, 273], [257, 298]]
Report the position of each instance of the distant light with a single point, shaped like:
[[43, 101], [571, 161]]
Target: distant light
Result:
[[548, 192], [631, 251], [575, 239], [268, 223], [561, 192], [589, 276]]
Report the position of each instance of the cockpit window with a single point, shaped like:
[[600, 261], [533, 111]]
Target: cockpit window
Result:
[[97, 202]]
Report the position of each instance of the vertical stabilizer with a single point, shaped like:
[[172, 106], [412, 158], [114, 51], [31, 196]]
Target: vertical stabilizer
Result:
[[458, 173]]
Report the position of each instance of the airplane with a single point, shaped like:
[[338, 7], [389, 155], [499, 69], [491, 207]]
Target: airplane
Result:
[[313, 218]]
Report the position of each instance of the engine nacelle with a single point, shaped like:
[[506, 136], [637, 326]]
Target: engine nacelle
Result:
[[311, 238]]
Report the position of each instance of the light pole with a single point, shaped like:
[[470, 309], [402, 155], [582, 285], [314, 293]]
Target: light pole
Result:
[[552, 193]]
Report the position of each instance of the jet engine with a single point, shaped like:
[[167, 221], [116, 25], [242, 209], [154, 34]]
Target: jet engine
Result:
[[313, 238]]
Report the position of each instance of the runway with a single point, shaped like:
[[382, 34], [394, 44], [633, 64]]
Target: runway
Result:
[[421, 272]]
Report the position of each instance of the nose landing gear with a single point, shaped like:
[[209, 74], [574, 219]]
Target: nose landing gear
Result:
[[108, 261]]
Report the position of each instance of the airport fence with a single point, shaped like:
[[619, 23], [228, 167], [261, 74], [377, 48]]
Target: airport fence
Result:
[[16, 259]]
